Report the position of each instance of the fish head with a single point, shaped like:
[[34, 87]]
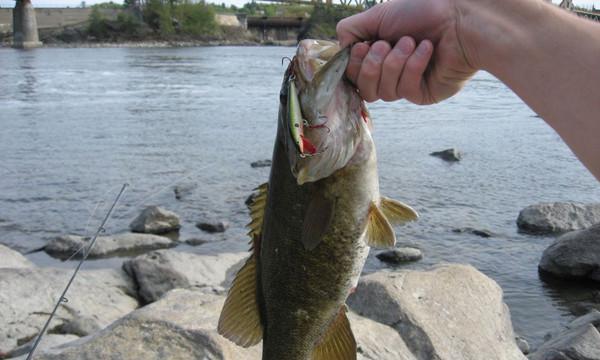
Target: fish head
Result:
[[324, 119]]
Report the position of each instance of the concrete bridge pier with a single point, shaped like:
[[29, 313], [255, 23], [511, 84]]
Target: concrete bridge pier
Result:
[[25, 30]]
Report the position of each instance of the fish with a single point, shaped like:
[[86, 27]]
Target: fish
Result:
[[313, 222]]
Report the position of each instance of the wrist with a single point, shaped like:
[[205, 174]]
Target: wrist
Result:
[[493, 33]]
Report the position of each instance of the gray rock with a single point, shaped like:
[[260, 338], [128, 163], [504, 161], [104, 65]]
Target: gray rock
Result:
[[184, 190], [400, 255], [581, 343], [48, 342], [575, 254], [450, 155], [196, 241], [450, 312], [155, 220], [261, 163], [80, 326], [478, 232], [28, 295], [160, 271], [375, 341], [593, 317], [523, 345], [105, 246], [10, 258], [182, 325], [557, 217], [213, 227]]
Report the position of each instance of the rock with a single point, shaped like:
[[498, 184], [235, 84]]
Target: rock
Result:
[[448, 154], [10, 258], [196, 241], [80, 326], [400, 255], [184, 190], [105, 246], [182, 325], [556, 218], [523, 345], [160, 271], [450, 312], [574, 255], [261, 163], [29, 294], [49, 341], [581, 343], [375, 341], [593, 317], [155, 220], [477, 232], [213, 227]]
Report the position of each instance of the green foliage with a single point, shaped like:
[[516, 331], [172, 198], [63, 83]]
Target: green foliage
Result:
[[324, 19], [98, 26], [157, 14], [107, 5], [195, 19]]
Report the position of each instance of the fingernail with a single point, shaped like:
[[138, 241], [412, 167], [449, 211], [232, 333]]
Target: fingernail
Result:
[[423, 48], [377, 53], [405, 45]]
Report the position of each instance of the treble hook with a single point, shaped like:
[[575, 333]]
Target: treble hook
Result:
[[285, 58]]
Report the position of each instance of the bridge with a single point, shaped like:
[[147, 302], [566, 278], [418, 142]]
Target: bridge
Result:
[[276, 27]]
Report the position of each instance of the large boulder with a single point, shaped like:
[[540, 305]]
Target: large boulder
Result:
[[155, 220], [574, 255], [28, 295], [160, 271], [557, 217], [579, 341], [122, 244], [10, 258], [182, 325], [450, 312]]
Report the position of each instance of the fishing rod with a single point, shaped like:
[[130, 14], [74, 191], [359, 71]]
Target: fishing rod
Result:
[[62, 297]]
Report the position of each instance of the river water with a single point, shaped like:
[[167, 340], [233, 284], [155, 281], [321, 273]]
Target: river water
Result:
[[78, 123]]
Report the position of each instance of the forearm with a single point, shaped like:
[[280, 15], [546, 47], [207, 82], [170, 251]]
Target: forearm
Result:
[[550, 58]]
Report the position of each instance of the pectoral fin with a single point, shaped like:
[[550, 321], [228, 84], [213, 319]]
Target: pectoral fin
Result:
[[317, 219], [338, 342], [240, 318], [257, 210], [379, 231], [396, 212]]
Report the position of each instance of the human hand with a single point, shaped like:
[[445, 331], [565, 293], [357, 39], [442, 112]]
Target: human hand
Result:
[[429, 62]]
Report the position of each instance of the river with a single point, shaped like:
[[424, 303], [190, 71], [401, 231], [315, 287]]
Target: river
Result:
[[78, 123]]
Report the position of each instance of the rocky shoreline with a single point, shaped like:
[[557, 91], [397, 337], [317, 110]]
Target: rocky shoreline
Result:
[[165, 303]]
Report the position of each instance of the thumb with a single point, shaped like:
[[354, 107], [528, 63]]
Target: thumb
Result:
[[360, 27]]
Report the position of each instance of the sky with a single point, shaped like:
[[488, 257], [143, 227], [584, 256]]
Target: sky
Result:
[[77, 3]]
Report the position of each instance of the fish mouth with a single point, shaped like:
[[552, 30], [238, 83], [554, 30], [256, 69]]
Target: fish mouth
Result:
[[319, 120]]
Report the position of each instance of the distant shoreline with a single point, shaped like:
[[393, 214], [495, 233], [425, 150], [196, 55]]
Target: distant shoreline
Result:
[[160, 44]]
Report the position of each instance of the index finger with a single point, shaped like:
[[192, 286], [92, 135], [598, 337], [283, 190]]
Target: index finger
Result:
[[360, 27]]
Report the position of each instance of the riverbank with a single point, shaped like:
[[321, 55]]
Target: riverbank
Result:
[[162, 44]]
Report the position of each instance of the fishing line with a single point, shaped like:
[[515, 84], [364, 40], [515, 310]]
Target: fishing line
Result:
[[62, 297]]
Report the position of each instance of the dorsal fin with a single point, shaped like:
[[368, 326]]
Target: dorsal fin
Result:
[[317, 219], [379, 231], [397, 212], [338, 343], [240, 318]]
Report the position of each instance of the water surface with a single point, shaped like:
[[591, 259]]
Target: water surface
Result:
[[78, 123]]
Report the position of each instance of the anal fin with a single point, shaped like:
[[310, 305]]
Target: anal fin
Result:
[[338, 343], [397, 212], [240, 318], [379, 230]]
